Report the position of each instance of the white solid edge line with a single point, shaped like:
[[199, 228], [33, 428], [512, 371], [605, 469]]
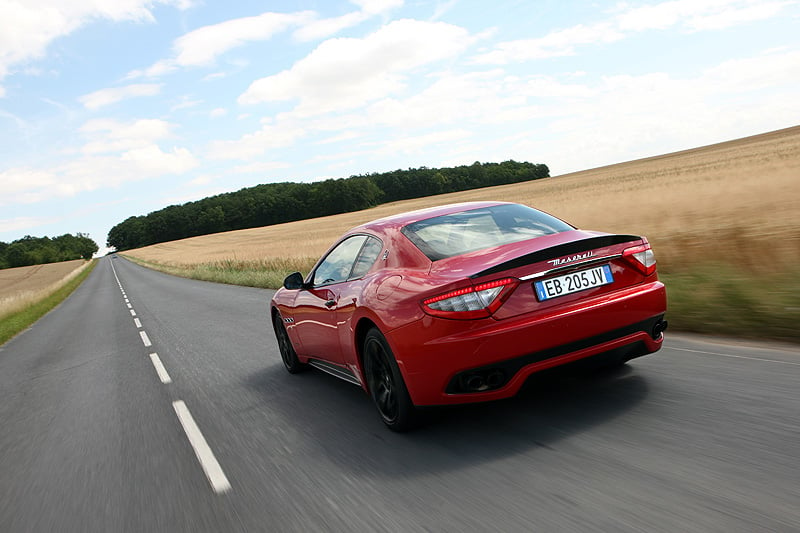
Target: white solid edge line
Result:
[[204, 454], [145, 339], [160, 370], [137, 322], [736, 356]]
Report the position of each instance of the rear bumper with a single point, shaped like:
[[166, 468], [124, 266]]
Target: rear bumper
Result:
[[442, 361]]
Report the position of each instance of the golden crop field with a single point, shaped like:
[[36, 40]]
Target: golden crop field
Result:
[[19, 287], [737, 202]]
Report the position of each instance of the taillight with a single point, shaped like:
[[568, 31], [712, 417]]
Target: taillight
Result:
[[478, 301], [642, 258]]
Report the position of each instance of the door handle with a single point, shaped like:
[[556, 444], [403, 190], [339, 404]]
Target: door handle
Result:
[[330, 303]]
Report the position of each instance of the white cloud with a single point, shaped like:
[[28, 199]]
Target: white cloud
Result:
[[420, 143], [341, 75], [25, 223], [346, 73], [114, 136], [697, 14], [27, 28], [105, 97], [320, 29], [780, 68], [323, 28], [151, 160], [688, 15], [736, 16], [376, 7], [284, 132], [479, 98], [570, 121], [16, 184], [115, 153], [185, 102], [555, 44], [260, 167], [616, 120], [202, 47]]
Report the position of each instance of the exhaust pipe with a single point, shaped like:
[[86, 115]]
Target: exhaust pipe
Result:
[[495, 379], [475, 382], [659, 328]]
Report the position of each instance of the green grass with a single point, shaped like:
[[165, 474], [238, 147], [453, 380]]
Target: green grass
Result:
[[721, 300], [14, 323], [265, 274]]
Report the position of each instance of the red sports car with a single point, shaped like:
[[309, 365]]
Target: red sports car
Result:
[[461, 303]]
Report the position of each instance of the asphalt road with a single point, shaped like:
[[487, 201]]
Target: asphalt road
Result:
[[702, 436]]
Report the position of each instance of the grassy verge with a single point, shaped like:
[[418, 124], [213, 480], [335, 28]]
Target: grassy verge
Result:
[[718, 299], [265, 274], [710, 299], [18, 321]]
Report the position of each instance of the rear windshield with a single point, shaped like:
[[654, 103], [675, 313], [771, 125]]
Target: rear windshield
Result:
[[468, 231]]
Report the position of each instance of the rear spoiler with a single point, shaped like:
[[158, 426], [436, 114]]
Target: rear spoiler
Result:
[[568, 248]]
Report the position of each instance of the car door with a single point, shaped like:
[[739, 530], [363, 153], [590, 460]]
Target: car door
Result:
[[348, 295], [315, 308]]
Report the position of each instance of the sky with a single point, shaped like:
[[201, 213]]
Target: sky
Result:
[[116, 108]]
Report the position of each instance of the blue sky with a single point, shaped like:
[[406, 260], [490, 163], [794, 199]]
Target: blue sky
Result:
[[115, 108]]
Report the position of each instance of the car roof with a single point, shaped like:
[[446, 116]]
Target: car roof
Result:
[[395, 222]]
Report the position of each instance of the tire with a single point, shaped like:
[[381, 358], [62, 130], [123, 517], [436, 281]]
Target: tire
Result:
[[288, 355], [386, 385]]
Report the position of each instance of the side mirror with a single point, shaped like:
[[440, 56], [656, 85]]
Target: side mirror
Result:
[[293, 281]]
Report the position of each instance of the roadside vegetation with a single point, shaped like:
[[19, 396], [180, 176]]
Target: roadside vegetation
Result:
[[20, 309], [720, 299], [722, 219], [265, 274], [44, 250], [276, 203]]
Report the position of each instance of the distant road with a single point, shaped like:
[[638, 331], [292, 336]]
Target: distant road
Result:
[[211, 434]]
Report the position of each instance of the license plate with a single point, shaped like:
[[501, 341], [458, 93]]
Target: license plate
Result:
[[574, 282]]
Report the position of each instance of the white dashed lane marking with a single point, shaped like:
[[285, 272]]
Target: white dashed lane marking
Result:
[[208, 462], [160, 370], [145, 339], [214, 473]]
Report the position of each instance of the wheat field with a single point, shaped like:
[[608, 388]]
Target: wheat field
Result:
[[736, 202], [20, 287]]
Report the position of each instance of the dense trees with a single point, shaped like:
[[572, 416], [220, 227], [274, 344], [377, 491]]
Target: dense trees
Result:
[[39, 250], [275, 203]]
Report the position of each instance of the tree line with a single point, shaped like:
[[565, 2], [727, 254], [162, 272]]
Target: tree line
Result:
[[276, 203], [40, 250]]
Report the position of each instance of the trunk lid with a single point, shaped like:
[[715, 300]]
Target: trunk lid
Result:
[[595, 258]]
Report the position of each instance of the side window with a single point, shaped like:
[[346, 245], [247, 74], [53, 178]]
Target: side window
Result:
[[338, 263], [369, 253]]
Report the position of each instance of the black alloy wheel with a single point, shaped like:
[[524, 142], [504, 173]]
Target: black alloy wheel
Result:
[[386, 385], [288, 355]]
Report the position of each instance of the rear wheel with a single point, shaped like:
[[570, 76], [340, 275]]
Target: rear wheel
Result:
[[288, 355], [386, 385]]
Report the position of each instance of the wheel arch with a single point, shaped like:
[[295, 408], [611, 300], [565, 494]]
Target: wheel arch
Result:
[[363, 326]]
